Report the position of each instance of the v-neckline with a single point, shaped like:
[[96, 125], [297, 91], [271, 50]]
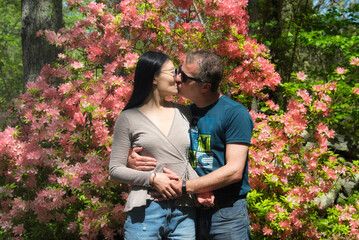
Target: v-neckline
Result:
[[170, 129]]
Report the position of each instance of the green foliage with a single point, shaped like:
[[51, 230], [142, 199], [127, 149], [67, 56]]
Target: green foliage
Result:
[[340, 218], [345, 104], [344, 113], [71, 15], [10, 51], [330, 38]]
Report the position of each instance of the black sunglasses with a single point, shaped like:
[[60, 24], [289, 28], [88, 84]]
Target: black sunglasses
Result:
[[184, 77]]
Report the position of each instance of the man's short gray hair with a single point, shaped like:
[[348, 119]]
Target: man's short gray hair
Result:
[[210, 67]]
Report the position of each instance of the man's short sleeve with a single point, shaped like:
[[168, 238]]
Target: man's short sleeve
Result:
[[239, 125]]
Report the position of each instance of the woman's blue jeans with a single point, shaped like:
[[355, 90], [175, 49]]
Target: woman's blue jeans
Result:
[[160, 220]]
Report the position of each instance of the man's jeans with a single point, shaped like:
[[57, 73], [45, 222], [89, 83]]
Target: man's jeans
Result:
[[160, 220], [227, 223]]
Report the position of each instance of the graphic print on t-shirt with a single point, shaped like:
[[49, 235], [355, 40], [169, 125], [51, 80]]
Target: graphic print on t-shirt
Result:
[[200, 154]]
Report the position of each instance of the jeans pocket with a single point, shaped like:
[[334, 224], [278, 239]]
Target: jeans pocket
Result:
[[237, 211]]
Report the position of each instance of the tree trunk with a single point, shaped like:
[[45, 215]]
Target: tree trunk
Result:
[[38, 15], [254, 12]]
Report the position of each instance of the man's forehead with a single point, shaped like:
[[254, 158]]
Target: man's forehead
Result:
[[190, 66]]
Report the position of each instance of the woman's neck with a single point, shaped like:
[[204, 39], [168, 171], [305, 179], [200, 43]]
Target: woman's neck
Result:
[[155, 102]]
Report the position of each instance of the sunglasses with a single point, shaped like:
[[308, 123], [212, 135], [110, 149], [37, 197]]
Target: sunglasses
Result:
[[184, 77], [172, 72]]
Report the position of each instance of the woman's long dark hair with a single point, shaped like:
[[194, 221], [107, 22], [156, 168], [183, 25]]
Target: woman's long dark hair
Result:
[[148, 66]]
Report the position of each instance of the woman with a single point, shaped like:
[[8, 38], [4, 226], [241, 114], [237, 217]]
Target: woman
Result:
[[161, 127]]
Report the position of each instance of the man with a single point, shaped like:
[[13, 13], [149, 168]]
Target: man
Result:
[[220, 135]]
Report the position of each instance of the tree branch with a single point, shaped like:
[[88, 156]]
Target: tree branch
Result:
[[202, 22]]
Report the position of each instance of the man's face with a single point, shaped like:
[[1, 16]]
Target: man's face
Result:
[[188, 89]]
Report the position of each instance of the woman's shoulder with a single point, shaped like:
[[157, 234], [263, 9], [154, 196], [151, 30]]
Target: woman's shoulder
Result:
[[128, 114]]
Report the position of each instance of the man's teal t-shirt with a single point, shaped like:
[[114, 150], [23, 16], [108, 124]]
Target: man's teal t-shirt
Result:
[[214, 126]]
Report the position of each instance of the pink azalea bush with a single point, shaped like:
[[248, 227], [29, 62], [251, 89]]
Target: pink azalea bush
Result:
[[288, 172], [55, 150]]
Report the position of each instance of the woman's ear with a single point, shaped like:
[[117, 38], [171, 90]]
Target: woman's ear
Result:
[[154, 82]]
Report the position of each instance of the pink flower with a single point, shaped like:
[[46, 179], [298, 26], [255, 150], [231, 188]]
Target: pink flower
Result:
[[286, 160], [111, 67], [322, 128], [305, 96], [51, 36], [72, 2], [131, 59], [96, 8], [186, 26], [340, 70], [271, 216], [167, 26], [320, 106], [88, 74], [297, 223], [255, 227], [65, 88], [108, 232], [351, 209], [71, 227], [325, 87], [79, 118], [94, 52], [284, 224], [301, 76], [355, 61], [39, 33], [272, 105], [184, 4], [7, 136], [264, 133], [356, 90], [77, 65], [18, 229], [267, 231]]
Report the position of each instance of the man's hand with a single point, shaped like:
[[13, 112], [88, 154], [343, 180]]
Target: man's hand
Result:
[[139, 162], [206, 199]]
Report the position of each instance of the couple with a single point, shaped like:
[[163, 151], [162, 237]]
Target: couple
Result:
[[214, 133]]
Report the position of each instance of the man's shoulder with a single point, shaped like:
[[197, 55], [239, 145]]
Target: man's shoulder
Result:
[[227, 104], [234, 112]]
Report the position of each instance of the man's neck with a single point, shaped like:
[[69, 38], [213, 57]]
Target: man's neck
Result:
[[208, 99]]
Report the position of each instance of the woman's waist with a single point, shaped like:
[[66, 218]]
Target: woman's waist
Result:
[[138, 196]]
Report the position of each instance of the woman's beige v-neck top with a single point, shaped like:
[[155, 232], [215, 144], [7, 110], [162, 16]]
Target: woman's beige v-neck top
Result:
[[134, 129]]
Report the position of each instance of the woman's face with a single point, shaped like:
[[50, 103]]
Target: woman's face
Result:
[[165, 80]]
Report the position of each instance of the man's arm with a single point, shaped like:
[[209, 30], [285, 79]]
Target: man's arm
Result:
[[236, 157]]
